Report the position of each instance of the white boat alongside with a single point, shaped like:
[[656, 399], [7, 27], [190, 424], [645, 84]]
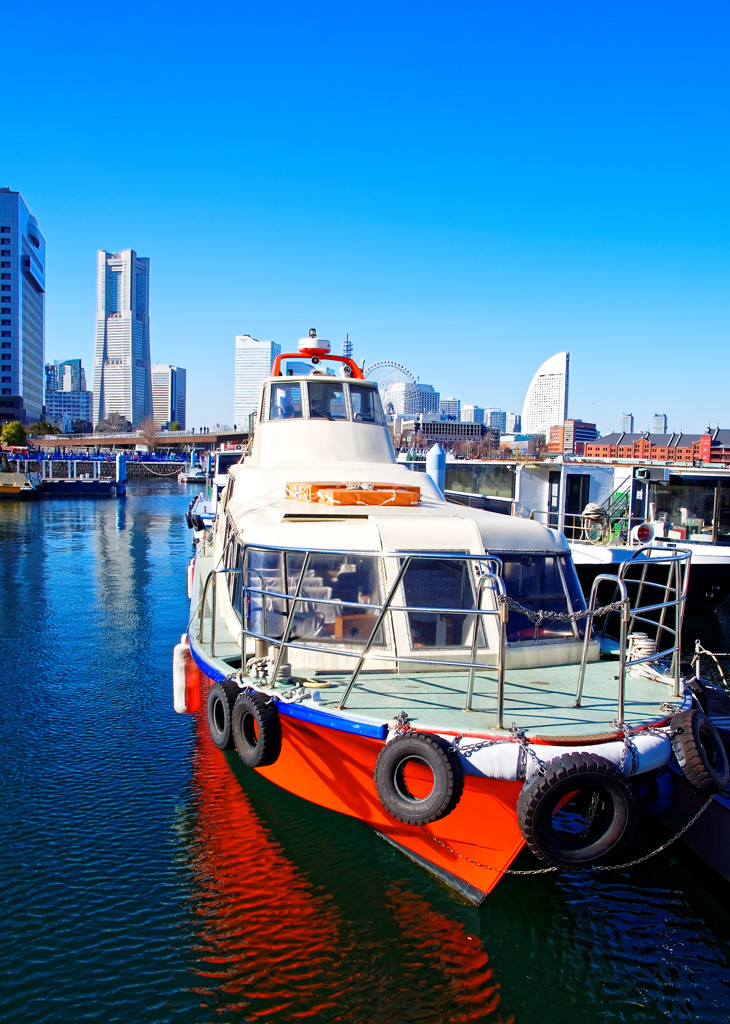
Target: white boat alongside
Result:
[[609, 509], [429, 669]]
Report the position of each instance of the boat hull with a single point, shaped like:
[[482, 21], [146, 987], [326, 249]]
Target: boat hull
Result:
[[469, 849]]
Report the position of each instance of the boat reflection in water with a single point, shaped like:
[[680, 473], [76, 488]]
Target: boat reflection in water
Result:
[[273, 941]]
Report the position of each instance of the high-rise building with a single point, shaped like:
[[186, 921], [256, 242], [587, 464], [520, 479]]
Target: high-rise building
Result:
[[429, 398], [546, 401], [122, 365], [627, 422], [495, 419], [169, 388], [22, 310], [512, 423], [472, 414], [659, 426], [254, 360], [68, 403], [65, 375], [450, 408]]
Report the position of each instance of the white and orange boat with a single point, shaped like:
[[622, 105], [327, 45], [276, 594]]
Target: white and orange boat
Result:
[[428, 668]]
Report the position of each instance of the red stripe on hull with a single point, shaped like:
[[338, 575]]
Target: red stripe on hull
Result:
[[475, 842]]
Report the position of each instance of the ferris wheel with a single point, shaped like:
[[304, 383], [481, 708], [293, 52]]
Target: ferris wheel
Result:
[[397, 386]]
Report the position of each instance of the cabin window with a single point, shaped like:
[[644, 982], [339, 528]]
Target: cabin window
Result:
[[339, 596], [231, 561], [545, 583], [286, 402], [432, 587], [366, 407], [326, 400]]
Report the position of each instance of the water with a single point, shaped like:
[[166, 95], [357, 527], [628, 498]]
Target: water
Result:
[[147, 877]]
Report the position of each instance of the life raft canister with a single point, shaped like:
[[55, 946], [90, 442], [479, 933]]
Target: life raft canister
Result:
[[700, 753], [580, 812], [418, 778], [256, 729]]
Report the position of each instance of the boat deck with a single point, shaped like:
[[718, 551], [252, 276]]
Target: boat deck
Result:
[[538, 701]]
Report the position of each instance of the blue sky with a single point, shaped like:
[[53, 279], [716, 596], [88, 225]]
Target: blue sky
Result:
[[463, 188]]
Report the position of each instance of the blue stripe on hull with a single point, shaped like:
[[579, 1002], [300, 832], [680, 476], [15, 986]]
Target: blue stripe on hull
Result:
[[307, 713]]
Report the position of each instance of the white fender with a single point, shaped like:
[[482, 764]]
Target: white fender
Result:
[[508, 760], [185, 679], [191, 575]]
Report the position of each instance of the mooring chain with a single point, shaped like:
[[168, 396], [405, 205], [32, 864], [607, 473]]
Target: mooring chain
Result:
[[587, 867], [538, 616], [528, 749], [628, 746]]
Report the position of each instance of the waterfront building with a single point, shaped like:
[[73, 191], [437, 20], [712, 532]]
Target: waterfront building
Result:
[[450, 408], [169, 386], [546, 401], [709, 447], [431, 429], [472, 414], [659, 426], [71, 410], [571, 437], [22, 310], [254, 360], [626, 423], [347, 348], [122, 364]]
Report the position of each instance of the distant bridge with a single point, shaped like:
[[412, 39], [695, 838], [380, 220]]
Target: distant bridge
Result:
[[171, 440]]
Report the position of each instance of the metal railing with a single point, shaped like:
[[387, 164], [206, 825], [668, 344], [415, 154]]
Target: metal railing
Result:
[[665, 598], [486, 576]]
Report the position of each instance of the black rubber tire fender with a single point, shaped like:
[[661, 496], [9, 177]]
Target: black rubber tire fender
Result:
[[579, 813], [220, 701], [256, 729], [699, 750], [428, 752]]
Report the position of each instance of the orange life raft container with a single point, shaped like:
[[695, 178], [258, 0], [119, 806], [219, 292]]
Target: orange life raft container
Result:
[[338, 493]]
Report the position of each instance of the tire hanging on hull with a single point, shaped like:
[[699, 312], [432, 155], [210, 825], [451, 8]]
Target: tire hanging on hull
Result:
[[580, 812], [700, 753], [418, 778], [220, 701], [256, 729]]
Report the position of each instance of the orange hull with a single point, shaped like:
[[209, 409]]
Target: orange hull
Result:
[[469, 848]]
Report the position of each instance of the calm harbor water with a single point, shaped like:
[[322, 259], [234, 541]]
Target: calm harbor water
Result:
[[147, 877]]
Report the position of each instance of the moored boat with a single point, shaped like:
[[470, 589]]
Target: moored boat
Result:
[[17, 484], [430, 669]]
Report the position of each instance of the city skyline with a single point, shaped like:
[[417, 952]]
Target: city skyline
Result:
[[511, 181]]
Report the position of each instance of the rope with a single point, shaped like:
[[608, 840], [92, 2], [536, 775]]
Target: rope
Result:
[[699, 649], [173, 472]]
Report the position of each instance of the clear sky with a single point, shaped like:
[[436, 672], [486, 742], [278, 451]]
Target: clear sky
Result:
[[464, 188]]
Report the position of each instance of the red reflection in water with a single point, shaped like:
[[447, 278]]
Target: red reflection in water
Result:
[[272, 943]]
